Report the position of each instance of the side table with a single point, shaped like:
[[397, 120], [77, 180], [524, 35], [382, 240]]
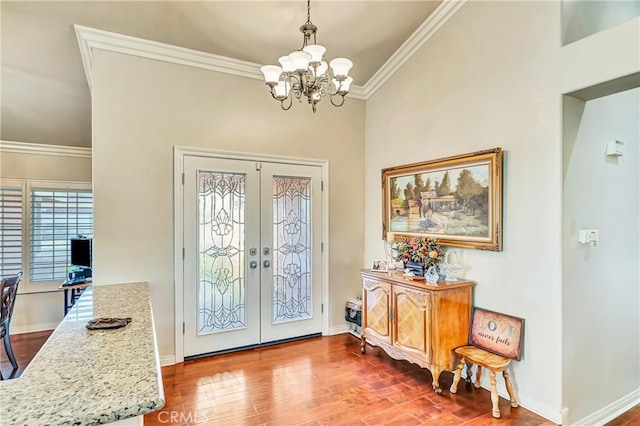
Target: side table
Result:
[[72, 291]]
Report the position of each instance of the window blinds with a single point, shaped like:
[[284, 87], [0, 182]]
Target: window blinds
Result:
[[10, 231], [56, 216]]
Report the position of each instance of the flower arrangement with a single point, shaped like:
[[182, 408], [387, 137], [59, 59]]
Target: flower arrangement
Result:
[[425, 250]]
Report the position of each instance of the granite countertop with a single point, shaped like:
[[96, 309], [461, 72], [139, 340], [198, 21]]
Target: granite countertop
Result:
[[85, 377]]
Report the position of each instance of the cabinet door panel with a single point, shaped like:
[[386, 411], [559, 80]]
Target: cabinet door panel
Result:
[[376, 304], [412, 327]]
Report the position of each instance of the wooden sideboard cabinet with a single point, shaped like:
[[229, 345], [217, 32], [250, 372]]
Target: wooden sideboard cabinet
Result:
[[416, 321]]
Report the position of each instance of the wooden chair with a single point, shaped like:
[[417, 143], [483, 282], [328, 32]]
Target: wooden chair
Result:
[[498, 332], [8, 291]]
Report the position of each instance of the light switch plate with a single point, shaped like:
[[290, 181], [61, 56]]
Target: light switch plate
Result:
[[588, 236], [615, 148]]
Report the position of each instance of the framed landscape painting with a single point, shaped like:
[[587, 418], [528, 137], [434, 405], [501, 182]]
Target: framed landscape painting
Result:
[[457, 200]]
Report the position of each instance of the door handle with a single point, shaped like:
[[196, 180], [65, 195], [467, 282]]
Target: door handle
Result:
[[253, 264], [266, 263]]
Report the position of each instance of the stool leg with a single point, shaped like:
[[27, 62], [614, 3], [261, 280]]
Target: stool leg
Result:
[[512, 396], [456, 376], [495, 410], [469, 372], [478, 377], [9, 350]]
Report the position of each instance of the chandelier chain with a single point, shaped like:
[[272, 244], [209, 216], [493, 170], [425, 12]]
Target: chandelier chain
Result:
[[308, 11]]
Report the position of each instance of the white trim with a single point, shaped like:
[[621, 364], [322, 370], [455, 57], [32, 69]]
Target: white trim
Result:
[[326, 315], [339, 329], [42, 149], [179, 152], [32, 328], [167, 360], [178, 282], [613, 410], [429, 27], [91, 38], [533, 405]]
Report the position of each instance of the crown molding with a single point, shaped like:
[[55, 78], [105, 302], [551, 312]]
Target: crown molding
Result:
[[425, 31], [91, 38], [42, 149]]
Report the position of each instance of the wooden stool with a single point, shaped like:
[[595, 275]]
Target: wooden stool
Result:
[[494, 363]]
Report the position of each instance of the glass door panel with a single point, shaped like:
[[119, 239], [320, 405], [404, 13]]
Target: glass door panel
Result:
[[221, 252]]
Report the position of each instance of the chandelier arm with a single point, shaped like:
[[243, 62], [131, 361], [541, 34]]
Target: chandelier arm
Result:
[[335, 104], [294, 86], [273, 94], [290, 103]]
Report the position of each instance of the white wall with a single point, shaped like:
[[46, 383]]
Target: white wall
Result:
[[601, 309], [490, 77], [142, 108], [41, 311], [582, 18], [602, 57]]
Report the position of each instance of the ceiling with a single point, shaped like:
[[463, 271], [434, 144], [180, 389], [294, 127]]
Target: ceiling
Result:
[[44, 93]]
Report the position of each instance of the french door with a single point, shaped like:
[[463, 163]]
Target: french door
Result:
[[252, 263]]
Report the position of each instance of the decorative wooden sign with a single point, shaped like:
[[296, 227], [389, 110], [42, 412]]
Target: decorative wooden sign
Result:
[[498, 333]]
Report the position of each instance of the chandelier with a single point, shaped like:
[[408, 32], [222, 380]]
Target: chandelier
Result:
[[305, 72]]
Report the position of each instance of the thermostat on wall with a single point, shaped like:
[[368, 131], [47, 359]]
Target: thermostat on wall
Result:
[[615, 148]]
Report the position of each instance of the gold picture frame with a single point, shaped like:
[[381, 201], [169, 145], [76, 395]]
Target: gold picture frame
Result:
[[457, 200]]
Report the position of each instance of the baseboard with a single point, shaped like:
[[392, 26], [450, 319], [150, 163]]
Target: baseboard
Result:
[[612, 410], [167, 360], [533, 405], [338, 329], [32, 328], [540, 408]]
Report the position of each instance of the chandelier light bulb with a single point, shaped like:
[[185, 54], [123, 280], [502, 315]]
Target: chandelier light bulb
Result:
[[316, 51], [282, 89], [271, 73], [287, 65], [321, 69], [300, 60], [344, 86], [341, 66]]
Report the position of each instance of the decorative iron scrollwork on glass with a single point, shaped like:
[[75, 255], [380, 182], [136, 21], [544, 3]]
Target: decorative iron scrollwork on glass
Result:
[[221, 245], [292, 286]]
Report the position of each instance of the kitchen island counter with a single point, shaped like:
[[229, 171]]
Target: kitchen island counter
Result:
[[89, 377]]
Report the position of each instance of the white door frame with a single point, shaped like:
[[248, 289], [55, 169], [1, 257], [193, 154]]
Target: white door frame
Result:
[[179, 152]]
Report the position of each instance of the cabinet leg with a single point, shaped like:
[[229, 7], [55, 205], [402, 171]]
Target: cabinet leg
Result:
[[363, 345], [436, 376], [512, 396], [456, 377], [495, 409]]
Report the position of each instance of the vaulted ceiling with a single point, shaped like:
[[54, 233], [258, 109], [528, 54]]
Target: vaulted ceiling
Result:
[[44, 92]]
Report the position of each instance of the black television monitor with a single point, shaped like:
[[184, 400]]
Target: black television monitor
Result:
[[81, 252]]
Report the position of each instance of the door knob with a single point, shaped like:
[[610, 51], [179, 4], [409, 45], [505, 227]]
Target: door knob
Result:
[[253, 264], [266, 263]]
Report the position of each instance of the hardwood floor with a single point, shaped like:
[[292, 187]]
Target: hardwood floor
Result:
[[25, 347], [321, 381]]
